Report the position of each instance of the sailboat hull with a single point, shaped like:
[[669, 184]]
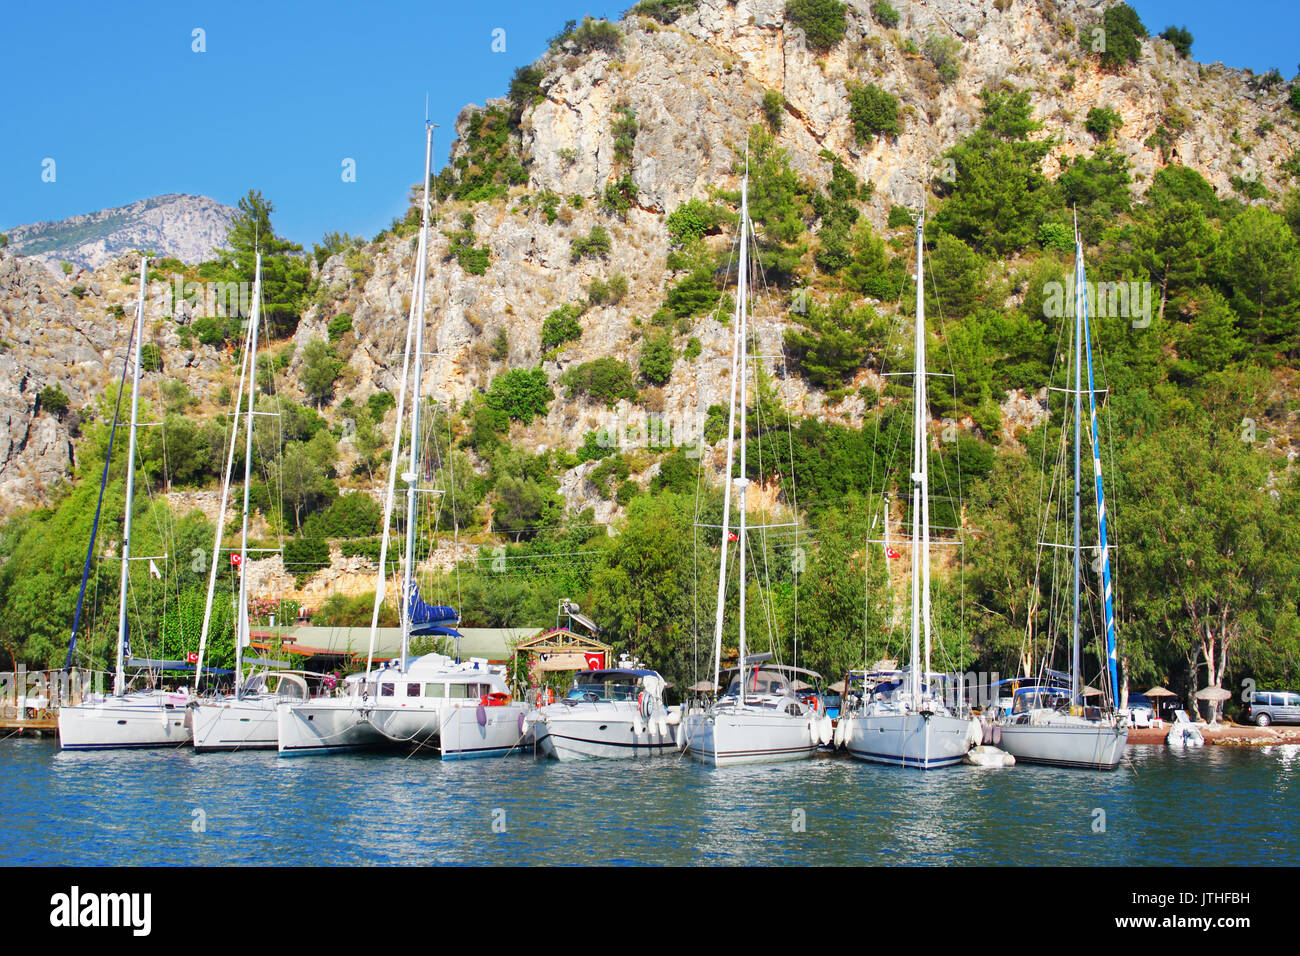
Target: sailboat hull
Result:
[[121, 723], [726, 738], [328, 725], [909, 740], [1084, 745], [248, 724]]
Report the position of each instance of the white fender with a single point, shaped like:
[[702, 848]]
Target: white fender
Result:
[[827, 729], [681, 736], [638, 728], [675, 714]]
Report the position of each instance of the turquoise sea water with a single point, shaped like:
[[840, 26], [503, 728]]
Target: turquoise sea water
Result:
[[1218, 805]]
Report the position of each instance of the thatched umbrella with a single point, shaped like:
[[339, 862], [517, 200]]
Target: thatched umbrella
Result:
[[1215, 695], [703, 687], [798, 685], [839, 687], [1157, 692]]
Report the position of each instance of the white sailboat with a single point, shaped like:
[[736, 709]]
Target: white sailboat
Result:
[[1050, 725], [146, 718], [906, 722], [244, 720], [463, 708], [767, 722]]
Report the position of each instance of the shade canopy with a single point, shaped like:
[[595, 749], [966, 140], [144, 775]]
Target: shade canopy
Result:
[[1089, 691], [1159, 691], [703, 687], [1213, 693], [838, 687], [797, 684]]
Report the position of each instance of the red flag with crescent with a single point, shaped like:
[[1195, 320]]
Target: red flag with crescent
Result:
[[595, 661]]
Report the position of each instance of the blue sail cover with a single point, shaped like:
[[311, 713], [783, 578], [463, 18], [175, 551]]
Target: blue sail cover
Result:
[[1108, 598], [435, 614]]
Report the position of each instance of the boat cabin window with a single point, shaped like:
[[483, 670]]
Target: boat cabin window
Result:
[[608, 690], [386, 689], [435, 690], [412, 690], [764, 682]]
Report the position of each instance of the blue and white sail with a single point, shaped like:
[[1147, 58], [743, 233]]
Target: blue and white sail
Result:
[[1107, 592]]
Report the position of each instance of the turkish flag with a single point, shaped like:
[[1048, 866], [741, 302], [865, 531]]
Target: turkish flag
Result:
[[891, 554], [595, 661], [192, 657], [731, 536], [235, 560]]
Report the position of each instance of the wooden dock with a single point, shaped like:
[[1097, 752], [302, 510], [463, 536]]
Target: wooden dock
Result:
[[45, 724]]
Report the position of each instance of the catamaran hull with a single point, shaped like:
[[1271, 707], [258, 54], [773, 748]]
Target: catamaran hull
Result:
[[121, 724], [480, 731], [1083, 747], [727, 739], [909, 740], [235, 725], [460, 732], [330, 726], [601, 737]]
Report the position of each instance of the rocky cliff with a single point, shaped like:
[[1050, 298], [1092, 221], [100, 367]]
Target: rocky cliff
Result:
[[696, 86]]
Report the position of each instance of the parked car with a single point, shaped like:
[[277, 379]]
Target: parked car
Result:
[[1274, 707]]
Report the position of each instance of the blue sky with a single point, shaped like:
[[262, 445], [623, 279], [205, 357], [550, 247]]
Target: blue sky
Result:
[[115, 95]]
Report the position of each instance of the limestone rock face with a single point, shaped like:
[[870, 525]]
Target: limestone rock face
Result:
[[696, 88]]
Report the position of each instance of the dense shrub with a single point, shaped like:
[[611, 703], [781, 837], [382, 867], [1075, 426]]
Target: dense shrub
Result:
[[604, 380], [657, 360], [693, 220], [884, 14], [1122, 34], [822, 21], [1180, 38], [53, 399], [561, 326], [339, 326], [1102, 121], [594, 245], [665, 11], [873, 112], [773, 110], [522, 394]]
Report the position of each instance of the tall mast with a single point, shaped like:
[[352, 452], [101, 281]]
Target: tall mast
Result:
[[920, 505], [394, 457], [119, 675], [731, 445], [241, 620], [412, 477], [742, 293], [221, 521], [1079, 290]]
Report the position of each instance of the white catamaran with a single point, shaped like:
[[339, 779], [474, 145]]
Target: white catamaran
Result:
[[759, 719], [1050, 724], [463, 708], [906, 722], [145, 718]]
